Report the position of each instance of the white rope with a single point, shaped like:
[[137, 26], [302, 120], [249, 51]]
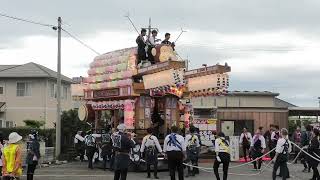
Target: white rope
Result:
[[306, 152], [292, 162], [204, 169], [240, 165]]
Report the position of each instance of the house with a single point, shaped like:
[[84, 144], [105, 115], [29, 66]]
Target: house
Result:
[[238, 109], [77, 92], [29, 91]]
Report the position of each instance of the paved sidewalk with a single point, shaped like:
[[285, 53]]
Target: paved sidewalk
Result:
[[80, 172]]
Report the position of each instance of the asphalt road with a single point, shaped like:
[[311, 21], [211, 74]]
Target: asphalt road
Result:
[[80, 172]]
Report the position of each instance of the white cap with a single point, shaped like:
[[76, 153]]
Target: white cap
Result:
[[14, 138], [121, 127]]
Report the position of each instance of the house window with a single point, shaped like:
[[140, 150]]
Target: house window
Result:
[[1, 123], [23, 89], [9, 124], [65, 92], [53, 90], [1, 90]]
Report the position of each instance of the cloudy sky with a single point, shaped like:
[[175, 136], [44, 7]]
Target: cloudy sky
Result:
[[271, 45]]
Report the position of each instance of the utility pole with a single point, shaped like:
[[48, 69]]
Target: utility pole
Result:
[[58, 122]]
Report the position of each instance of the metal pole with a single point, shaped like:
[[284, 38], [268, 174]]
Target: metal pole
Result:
[[58, 122]]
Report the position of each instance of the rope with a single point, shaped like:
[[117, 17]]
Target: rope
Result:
[[204, 169], [254, 159], [306, 152], [295, 158], [236, 165]]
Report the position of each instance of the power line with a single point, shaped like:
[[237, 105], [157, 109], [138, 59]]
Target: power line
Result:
[[49, 25], [81, 42], [26, 20]]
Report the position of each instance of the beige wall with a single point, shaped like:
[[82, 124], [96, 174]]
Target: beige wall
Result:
[[233, 101], [39, 106]]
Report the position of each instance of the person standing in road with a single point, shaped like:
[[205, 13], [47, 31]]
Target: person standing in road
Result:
[[150, 147], [12, 158], [33, 154], [267, 137], [175, 149], [245, 141], [305, 142], [106, 150], [122, 143], [193, 144], [297, 140], [79, 145], [258, 144], [314, 149], [275, 135], [90, 142], [222, 156], [283, 148]]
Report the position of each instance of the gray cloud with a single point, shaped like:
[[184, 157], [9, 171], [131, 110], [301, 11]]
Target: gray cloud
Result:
[[226, 16], [297, 85], [86, 18]]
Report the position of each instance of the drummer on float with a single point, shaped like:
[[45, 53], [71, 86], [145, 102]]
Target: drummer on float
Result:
[[167, 42], [152, 42]]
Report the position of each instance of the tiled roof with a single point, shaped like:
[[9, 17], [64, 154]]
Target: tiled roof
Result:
[[29, 70]]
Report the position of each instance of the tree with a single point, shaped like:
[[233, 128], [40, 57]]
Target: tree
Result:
[[70, 125], [34, 123]]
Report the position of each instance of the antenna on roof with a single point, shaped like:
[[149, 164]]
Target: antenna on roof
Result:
[[128, 16], [182, 31]]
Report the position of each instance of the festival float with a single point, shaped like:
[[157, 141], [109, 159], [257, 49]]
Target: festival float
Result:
[[119, 91]]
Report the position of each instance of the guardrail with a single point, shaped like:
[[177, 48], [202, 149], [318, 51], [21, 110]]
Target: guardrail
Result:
[[47, 155]]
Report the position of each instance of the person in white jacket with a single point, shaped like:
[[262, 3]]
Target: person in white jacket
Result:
[[150, 147], [245, 142]]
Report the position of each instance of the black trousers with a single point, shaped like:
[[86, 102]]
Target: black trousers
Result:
[[155, 169], [273, 144], [90, 154], [120, 174], [255, 155], [225, 160], [245, 149], [316, 175], [191, 170], [80, 151], [106, 158], [30, 170], [112, 161], [304, 160], [283, 169], [175, 162]]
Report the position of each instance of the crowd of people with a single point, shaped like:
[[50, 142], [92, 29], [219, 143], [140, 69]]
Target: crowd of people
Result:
[[279, 144], [180, 149]]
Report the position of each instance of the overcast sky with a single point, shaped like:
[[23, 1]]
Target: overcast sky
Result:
[[271, 45]]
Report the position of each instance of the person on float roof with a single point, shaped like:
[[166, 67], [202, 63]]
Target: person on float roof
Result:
[[166, 40], [141, 46]]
